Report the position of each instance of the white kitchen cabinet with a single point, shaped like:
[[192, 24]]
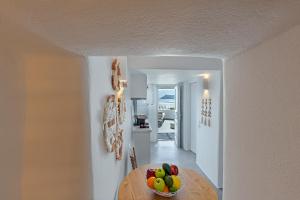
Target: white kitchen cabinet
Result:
[[138, 86], [141, 138]]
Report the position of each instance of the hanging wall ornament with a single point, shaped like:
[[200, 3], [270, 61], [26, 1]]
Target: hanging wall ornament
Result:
[[116, 74], [114, 112], [119, 144], [119, 76], [209, 112], [121, 108], [202, 111], [110, 122], [205, 112]]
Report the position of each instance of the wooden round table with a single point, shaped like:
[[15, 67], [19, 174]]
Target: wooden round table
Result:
[[195, 187]]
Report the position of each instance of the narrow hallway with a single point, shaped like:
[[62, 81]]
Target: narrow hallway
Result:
[[167, 152]]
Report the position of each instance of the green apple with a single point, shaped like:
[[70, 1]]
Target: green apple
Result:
[[159, 184], [160, 173], [168, 180]]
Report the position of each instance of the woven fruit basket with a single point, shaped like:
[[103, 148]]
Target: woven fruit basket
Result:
[[164, 181]]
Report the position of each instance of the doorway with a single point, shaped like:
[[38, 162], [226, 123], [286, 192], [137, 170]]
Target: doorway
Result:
[[166, 113]]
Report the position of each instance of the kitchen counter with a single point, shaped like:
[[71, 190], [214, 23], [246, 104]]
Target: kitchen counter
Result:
[[144, 130], [141, 138]]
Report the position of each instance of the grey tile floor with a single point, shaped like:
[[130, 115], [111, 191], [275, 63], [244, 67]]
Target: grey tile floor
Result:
[[166, 151]]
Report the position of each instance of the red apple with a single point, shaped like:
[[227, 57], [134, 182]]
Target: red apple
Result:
[[150, 173], [174, 170]]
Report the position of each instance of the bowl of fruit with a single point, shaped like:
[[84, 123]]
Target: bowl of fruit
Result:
[[164, 181]]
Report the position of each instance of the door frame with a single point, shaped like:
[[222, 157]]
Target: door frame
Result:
[[194, 112], [177, 119]]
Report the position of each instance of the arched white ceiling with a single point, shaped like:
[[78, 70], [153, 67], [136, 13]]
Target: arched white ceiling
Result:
[[212, 28]]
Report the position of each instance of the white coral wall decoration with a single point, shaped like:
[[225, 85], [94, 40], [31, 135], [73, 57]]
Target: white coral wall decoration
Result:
[[119, 144], [121, 108], [110, 122], [114, 112]]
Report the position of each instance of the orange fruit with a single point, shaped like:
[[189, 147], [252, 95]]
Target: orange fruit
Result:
[[150, 182], [166, 189]]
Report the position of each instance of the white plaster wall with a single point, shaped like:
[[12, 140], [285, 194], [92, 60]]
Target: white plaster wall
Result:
[[43, 133], [107, 171], [195, 112], [12, 111], [209, 140], [262, 118], [56, 154]]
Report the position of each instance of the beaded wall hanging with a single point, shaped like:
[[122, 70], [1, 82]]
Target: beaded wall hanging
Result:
[[206, 111]]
